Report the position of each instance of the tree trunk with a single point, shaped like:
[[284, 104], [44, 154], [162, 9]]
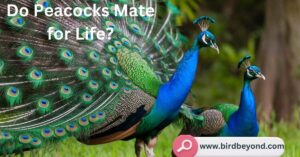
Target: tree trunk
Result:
[[279, 59]]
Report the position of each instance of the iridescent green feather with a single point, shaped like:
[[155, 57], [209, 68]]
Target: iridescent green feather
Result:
[[123, 1], [94, 56], [110, 24], [106, 73], [113, 61], [2, 67], [72, 127], [139, 72], [173, 9], [47, 133], [66, 55], [227, 110], [36, 77], [82, 73], [36, 142], [111, 48], [112, 87], [16, 22], [126, 42], [117, 44], [43, 106], [25, 52], [136, 29], [86, 98], [13, 95], [25, 138], [60, 132], [97, 117], [84, 121], [65, 92], [159, 48], [95, 1], [175, 43], [94, 86], [44, 3]]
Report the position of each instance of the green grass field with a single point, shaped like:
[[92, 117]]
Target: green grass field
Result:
[[71, 148]]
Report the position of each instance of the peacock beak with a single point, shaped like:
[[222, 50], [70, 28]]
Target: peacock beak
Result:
[[215, 46], [260, 75]]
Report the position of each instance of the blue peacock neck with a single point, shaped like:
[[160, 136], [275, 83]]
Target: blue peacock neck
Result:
[[247, 105], [244, 121], [173, 93]]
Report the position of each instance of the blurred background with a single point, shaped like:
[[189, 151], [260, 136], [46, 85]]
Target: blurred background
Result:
[[268, 30]]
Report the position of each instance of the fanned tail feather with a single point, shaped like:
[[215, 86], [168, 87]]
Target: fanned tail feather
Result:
[[53, 89]]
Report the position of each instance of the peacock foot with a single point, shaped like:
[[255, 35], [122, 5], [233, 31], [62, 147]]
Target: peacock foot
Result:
[[149, 147]]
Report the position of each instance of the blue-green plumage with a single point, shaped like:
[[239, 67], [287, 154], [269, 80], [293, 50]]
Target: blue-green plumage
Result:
[[176, 90], [226, 119], [243, 122], [172, 94]]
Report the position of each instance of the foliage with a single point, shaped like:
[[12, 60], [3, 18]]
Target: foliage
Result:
[[218, 75], [289, 132], [188, 9], [218, 79]]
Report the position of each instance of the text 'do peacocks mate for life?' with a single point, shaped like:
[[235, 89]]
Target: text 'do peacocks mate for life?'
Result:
[[94, 10]]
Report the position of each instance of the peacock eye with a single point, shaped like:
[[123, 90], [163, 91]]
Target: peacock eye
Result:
[[251, 73], [208, 40]]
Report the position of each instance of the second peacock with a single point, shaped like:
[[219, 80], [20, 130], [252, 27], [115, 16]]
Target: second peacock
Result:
[[227, 119]]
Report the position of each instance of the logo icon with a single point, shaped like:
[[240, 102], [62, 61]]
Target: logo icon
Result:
[[185, 146]]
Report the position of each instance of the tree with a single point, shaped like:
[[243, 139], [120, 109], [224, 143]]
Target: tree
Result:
[[279, 59]]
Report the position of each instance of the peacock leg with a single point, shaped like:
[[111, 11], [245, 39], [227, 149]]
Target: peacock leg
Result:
[[138, 147], [149, 147]]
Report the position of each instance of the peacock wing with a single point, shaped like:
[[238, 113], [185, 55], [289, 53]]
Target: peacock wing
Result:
[[226, 109]]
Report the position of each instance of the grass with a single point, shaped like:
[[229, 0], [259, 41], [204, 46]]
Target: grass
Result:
[[288, 132], [72, 148]]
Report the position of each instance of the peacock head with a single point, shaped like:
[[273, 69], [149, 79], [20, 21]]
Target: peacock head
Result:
[[251, 72], [205, 37]]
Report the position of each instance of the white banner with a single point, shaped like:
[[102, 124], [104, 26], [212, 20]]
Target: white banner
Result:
[[188, 146]]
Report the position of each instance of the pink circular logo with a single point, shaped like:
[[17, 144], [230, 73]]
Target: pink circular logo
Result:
[[185, 146]]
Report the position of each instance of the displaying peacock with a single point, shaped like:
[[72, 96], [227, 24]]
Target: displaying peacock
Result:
[[226, 119], [98, 91]]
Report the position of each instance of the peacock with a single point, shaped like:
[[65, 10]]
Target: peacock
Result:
[[226, 119], [130, 85]]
